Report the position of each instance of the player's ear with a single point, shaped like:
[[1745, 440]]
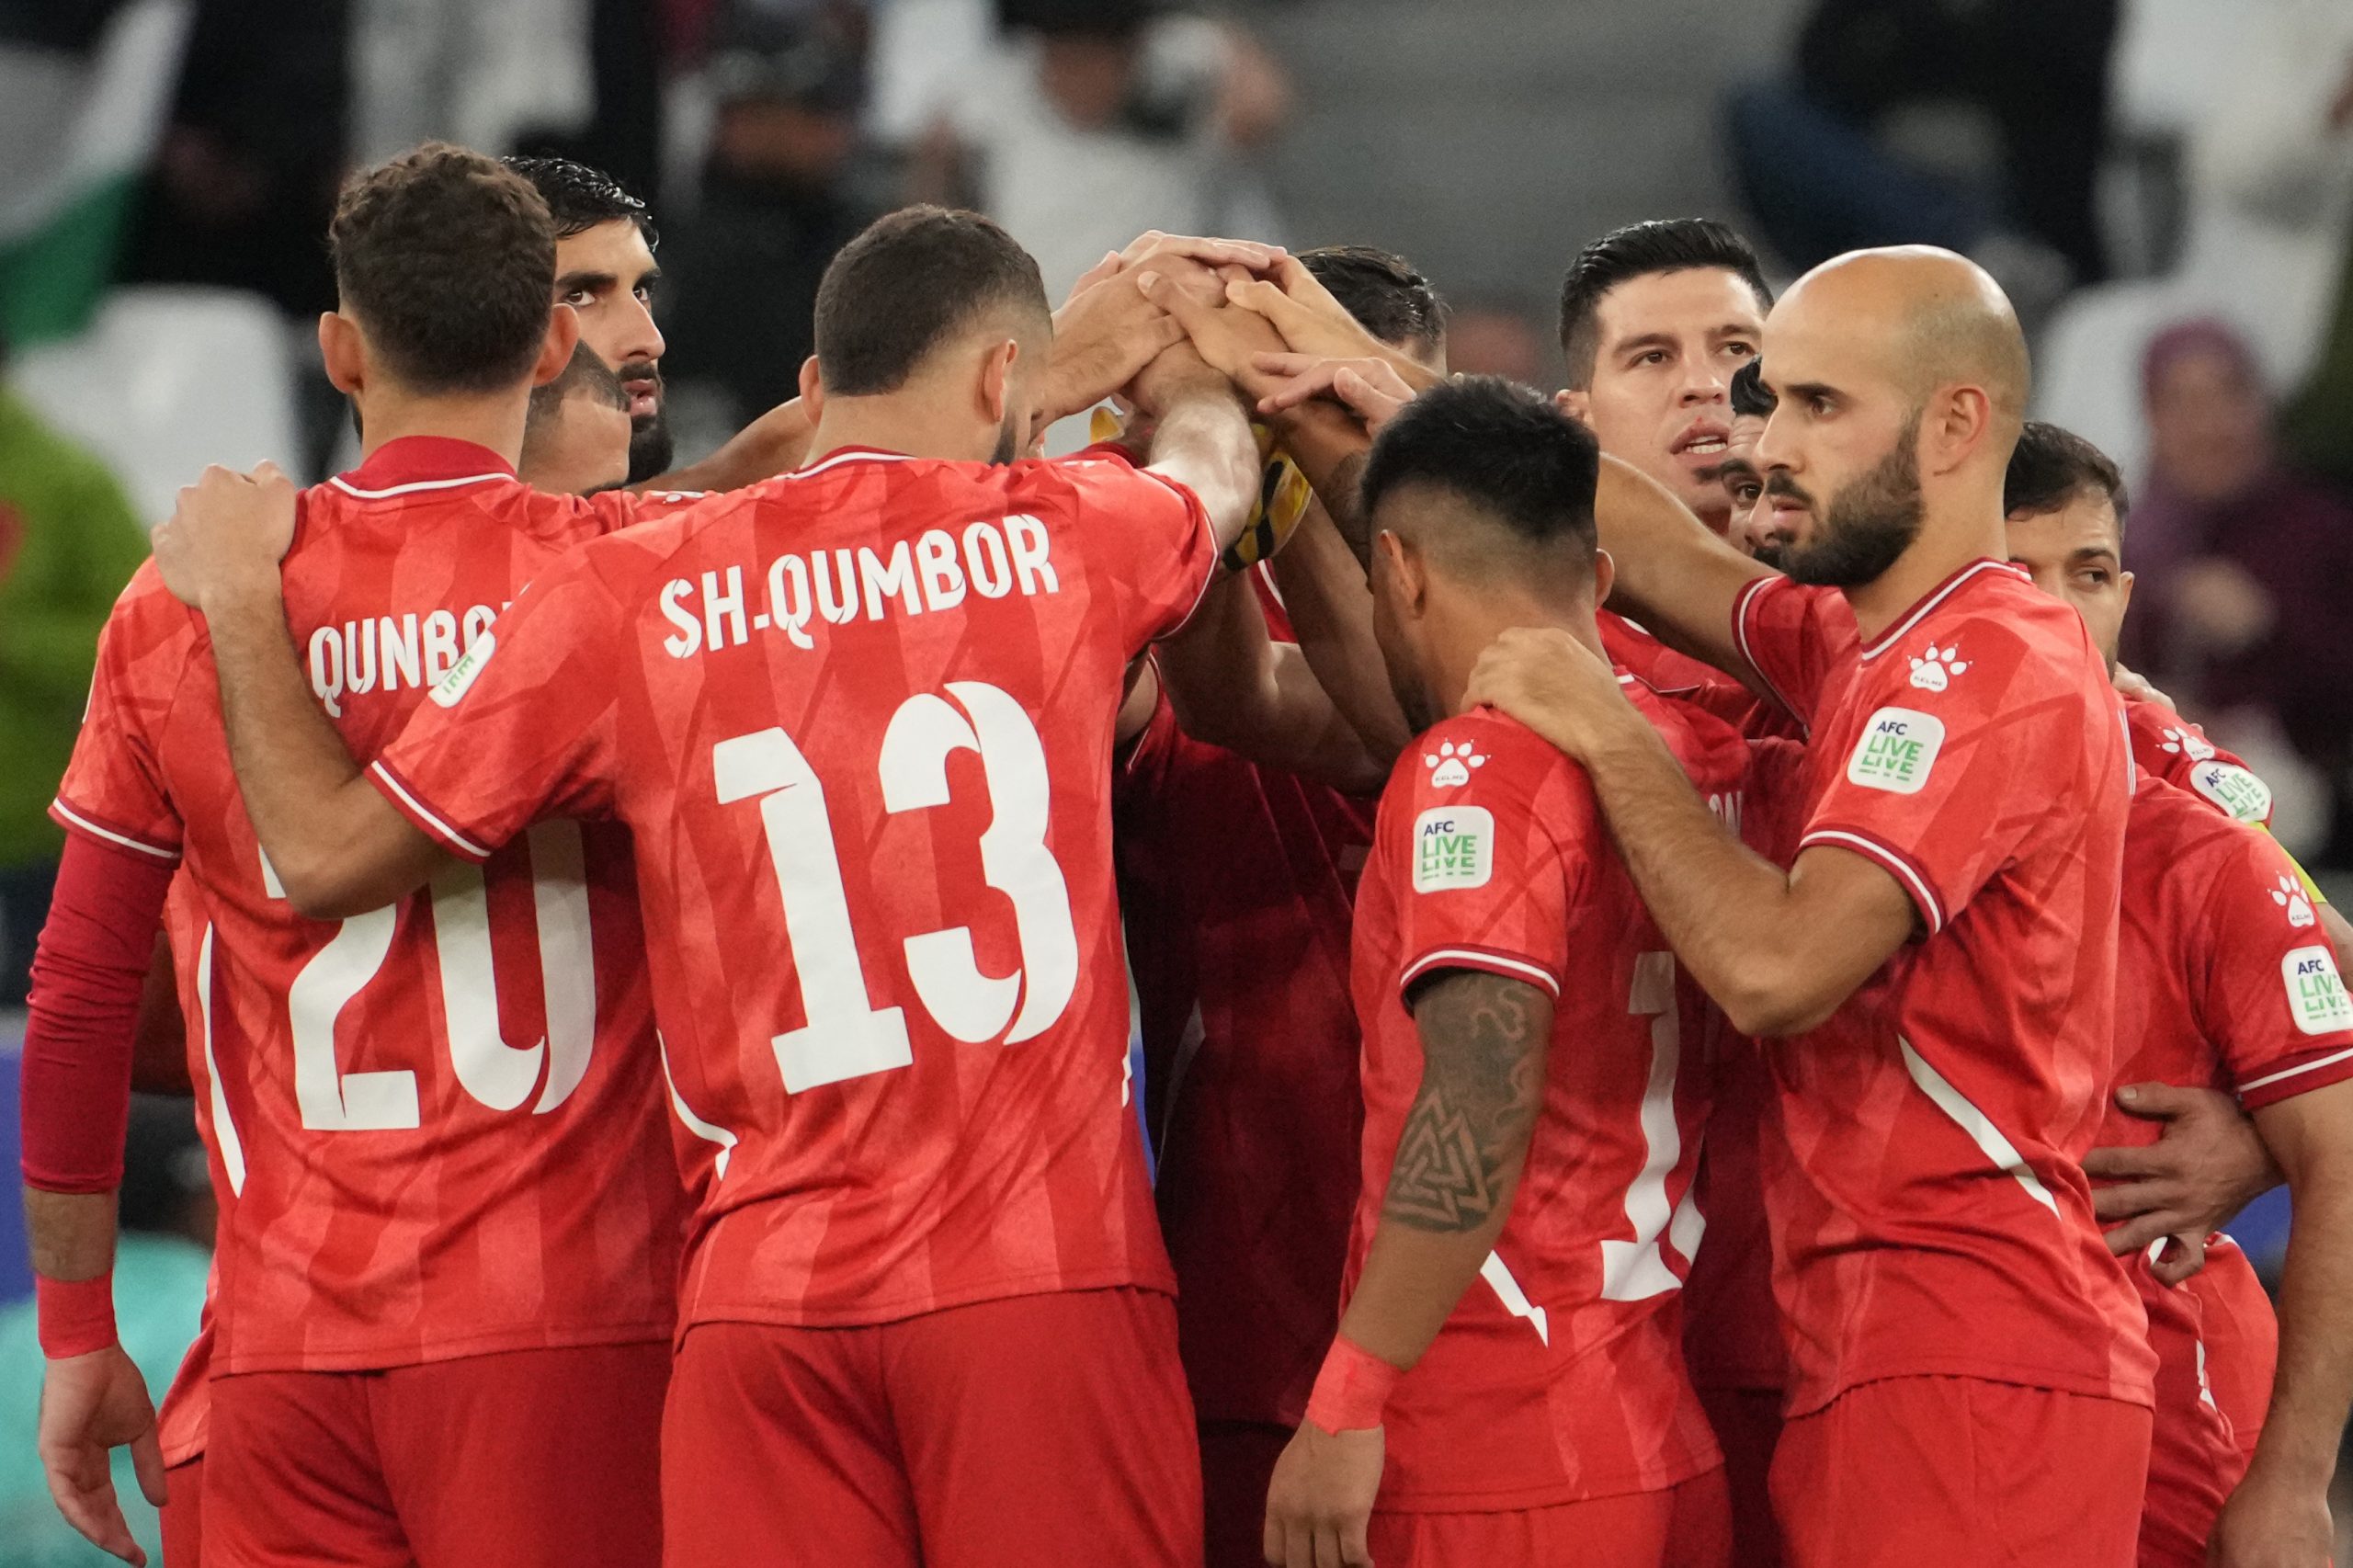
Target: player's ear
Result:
[[342, 351], [996, 379], [1404, 566], [2123, 592], [1958, 424], [1605, 576], [555, 348], [812, 389], [1576, 402]]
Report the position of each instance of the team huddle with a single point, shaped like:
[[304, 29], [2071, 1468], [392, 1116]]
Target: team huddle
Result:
[[1378, 966]]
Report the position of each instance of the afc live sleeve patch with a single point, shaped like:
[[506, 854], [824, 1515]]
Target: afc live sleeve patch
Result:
[[2316, 997], [1897, 750], [1454, 847]]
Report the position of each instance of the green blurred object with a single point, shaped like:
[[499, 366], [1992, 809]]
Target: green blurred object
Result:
[[51, 279], [69, 540], [158, 1293]]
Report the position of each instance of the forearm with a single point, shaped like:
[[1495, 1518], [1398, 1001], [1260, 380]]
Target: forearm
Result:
[[71, 1234], [1232, 685], [772, 444], [1329, 448], [1484, 1040], [1202, 440], [335, 845], [1726, 911], [2314, 1388], [1330, 612]]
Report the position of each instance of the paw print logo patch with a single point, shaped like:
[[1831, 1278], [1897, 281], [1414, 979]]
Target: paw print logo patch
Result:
[[1450, 764], [1934, 670], [2288, 896], [2189, 743]]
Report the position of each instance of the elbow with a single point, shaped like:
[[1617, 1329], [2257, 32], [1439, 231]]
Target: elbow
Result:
[[319, 892], [1767, 997]]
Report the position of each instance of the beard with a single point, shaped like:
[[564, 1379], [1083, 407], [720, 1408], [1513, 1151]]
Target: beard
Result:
[[1008, 442], [1868, 526], [650, 445]]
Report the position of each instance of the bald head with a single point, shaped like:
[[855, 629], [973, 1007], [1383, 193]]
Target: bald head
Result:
[[1930, 318]]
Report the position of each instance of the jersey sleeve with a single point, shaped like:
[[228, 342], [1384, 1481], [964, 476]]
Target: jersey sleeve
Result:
[[1476, 849], [2269, 994], [1942, 787], [522, 727], [1150, 532], [113, 790], [1793, 636]]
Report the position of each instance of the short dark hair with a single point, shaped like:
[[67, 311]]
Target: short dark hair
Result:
[[898, 290], [1638, 250], [579, 197], [584, 375], [1505, 449], [1388, 299], [447, 258], [1749, 398], [2050, 466]]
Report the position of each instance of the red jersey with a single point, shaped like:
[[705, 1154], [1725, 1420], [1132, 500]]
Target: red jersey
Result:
[[439, 1122], [1632, 647], [2165, 743], [1560, 1375], [2225, 981], [1237, 882], [1931, 1215], [859, 720]]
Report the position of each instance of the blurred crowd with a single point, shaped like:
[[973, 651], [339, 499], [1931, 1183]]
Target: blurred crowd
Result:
[[2163, 186]]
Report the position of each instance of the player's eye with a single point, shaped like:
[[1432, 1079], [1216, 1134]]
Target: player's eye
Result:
[[1746, 494], [1740, 350], [1650, 357], [580, 298], [2097, 576], [1819, 404], [644, 293]]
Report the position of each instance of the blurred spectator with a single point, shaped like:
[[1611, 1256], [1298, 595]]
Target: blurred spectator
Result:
[[245, 182], [1093, 121], [2242, 566], [788, 184], [2319, 423], [1818, 160], [162, 1256], [1493, 339], [69, 542]]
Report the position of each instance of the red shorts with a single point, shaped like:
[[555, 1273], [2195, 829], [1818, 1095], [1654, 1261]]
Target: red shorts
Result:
[[1961, 1472], [1048, 1428], [1685, 1526], [2242, 1334], [1747, 1424], [183, 1513], [544, 1459], [1237, 1461]]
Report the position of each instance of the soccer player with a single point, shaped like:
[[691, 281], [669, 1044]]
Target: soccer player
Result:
[[605, 270], [447, 1196], [2226, 981], [576, 437], [1241, 960], [1506, 1385], [858, 721], [1935, 969]]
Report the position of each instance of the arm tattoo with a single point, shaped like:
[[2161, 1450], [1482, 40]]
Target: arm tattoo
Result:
[[1483, 1082]]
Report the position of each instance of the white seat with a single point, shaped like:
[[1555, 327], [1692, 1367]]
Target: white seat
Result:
[[168, 379]]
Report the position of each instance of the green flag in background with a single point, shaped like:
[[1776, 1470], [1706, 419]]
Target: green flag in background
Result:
[[83, 92]]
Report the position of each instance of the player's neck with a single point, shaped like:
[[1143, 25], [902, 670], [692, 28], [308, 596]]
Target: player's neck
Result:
[[1455, 649], [890, 425], [1947, 543], [492, 419]]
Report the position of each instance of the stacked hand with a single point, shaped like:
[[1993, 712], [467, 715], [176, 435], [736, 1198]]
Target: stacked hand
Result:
[[1110, 328]]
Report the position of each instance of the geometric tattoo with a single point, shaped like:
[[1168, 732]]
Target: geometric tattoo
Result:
[[1484, 1040]]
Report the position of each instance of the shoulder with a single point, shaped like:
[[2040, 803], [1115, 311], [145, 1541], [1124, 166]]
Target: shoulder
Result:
[[1991, 651], [1486, 759], [147, 615]]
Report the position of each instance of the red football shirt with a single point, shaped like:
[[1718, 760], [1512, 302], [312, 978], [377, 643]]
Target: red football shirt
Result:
[[2224, 981], [2165, 743], [1560, 1375], [1237, 884], [1929, 1209], [440, 1122], [858, 721]]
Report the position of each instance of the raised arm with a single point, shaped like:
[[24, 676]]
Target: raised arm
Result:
[[1778, 950], [1330, 609], [1200, 438], [338, 847], [1484, 1039], [1680, 580]]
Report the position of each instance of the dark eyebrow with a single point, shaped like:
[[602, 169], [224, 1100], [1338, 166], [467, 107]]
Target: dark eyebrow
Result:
[[1738, 467], [649, 278], [595, 282], [1732, 329], [1643, 340], [2091, 553], [1807, 389]]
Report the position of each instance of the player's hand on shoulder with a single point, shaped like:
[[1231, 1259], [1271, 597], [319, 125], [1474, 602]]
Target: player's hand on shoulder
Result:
[[1553, 684], [1319, 1500], [90, 1405], [2273, 1523], [228, 532]]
